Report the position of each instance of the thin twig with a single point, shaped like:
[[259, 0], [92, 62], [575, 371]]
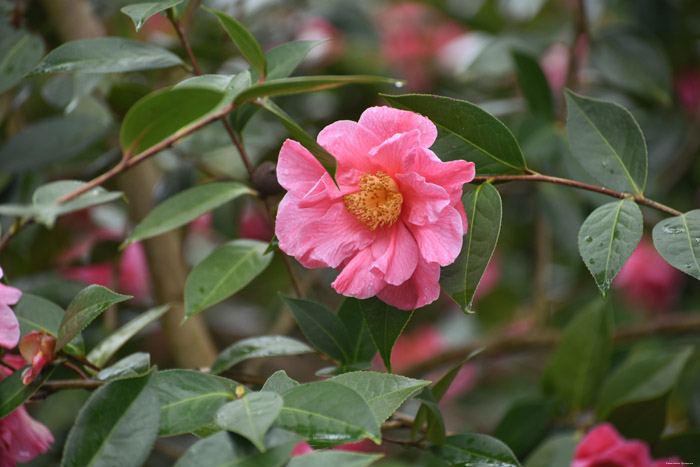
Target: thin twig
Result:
[[77, 370], [185, 43]]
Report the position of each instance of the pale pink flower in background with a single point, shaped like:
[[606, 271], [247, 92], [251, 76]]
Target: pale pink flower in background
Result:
[[316, 28], [604, 447], [253, 224], [21, 437], [687, 86], [9, 326], [555, 63], [37, 349], [395, 217], [302, 448], [647, 280]]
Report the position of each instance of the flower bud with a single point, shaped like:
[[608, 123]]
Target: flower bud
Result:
[[37, 348], [265, 180]]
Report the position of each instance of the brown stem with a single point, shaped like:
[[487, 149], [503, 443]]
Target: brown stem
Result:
[[672, 324], [185, 43], [77, 370], [85, 361], [535, 177]]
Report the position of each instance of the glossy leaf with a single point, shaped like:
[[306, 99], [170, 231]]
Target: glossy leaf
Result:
[[13, 392], [105, 55], [279, 383], [216, 450], [304, 84], [255, 347], [106, 349], [224, 272], [165, 113], [581, 360], [484, 212], [385, 324], [480, 130], [189, 399], [470, 450], [244, 40], [85, 307], [140, 12], [117, 426], [678, 241], [48, 141], [429, 409], [555, 452], [36, 313], [533, 84], [608, 238], [537, 415], [136, 364], [322, 328], [350, 313], [185, 207], [251, 416], [228, 85], [46, 210], [19, 53], [383, 392], [607, 141], [334, 458], [328, 414], [285, 58]]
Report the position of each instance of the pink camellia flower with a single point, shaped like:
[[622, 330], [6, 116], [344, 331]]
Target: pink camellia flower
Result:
[[21, 437], [37, 349], [395, 217], [687, 86], [647, 280], [604, 447], [9, 326], [254, 224]]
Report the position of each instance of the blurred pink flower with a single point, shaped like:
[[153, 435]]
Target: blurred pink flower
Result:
[[395, 217], [604, 447], [361, 446], [647, 280], [687, 86], [21, 437], [491, 277], [556, 59], [316, 28], [37, 349], [253, 224], [411, 36], [9, 326]]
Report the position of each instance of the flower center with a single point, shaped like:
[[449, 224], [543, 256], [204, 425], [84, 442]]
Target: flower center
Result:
[[378, 203]]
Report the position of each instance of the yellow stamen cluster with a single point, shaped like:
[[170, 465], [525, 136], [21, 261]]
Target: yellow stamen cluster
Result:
[[378, 203]]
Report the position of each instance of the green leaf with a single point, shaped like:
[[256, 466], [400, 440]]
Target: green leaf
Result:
[[581, 359], [85, 307], [644, 376], [106, 349], [536, 415], [484, 212], [216, 450], [136, 364], [36, 313], [185, 207], [383, 392], [244, 40], [608, 238], [255, 347], [279, 382], [189, 399], [322, 328], [685, 445], [678, 240], [140, 12], [167, 113], [385, 324], [299, 134], [328, 414], [555, 452], [46, 210], [49, 141], [224, 272], [606, 140], [533, 84], [477, 128], [472, 450], [19, 53], [304, 84], [228, 85], [117, 426], [105, 55], [350, 313], [251, 416], [334, 458], [285, 58], [13, 392]]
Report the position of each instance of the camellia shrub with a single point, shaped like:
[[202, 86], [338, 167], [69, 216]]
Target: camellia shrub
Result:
[[328, 233]]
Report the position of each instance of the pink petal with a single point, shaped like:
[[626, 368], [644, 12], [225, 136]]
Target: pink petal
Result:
[[599, 439], [357, 280], [297, 169], [22, 438], [9, 295], [396, 254], [9, 327], [350, 144], [385, 122], [134, 274], [422, 288], [396, 152], [450, 175], [441, 241], [423, 202]]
